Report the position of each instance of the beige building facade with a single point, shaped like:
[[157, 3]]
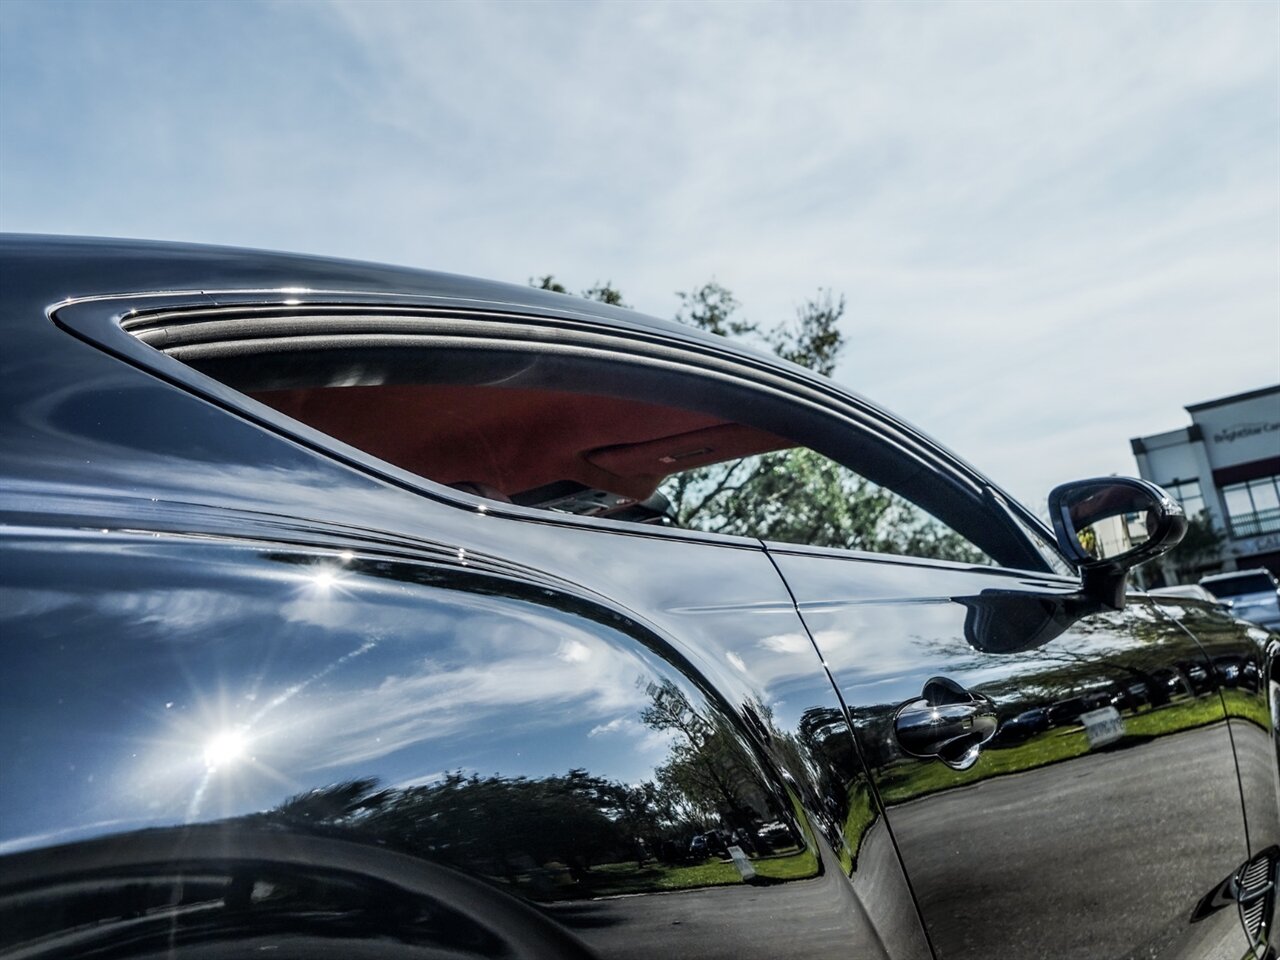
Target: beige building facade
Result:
[[1225, 467]]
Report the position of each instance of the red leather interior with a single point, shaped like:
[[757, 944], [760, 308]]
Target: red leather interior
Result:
[[517, 439]]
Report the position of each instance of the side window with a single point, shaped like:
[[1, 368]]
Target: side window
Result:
[[623, 459], [800, 496], [560, 414]]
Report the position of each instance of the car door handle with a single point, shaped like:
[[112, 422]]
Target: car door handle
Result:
[[947, 722]]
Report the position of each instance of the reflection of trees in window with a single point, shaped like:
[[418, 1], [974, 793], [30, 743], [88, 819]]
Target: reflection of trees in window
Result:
[[800, 496], [793, 496]]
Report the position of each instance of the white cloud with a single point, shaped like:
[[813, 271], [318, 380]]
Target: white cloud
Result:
[[444, 699], [787, 643], [645, 739], [573, 651], [616, 725], [1055, 223]]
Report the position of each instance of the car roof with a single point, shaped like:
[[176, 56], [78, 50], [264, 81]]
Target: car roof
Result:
[[1238, 574], [52, 270], [1191, 590], [73, 267]]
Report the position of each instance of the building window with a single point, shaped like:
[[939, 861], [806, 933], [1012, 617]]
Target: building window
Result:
[[1253, 508], [1187, 493]]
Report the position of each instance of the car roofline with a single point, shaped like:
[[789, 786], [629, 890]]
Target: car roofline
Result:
[[93, 268]]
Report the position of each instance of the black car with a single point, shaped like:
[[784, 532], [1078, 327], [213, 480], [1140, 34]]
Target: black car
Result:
[[355, 611], [1024, 726]]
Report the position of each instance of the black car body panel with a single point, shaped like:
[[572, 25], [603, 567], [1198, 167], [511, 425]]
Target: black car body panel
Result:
[[263, 691], [1111, 794]]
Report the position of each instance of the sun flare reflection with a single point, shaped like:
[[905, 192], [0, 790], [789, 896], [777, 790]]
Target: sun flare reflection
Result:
[[225, 749]]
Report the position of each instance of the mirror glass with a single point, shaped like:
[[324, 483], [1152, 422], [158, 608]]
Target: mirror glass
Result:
[[1110, 519]]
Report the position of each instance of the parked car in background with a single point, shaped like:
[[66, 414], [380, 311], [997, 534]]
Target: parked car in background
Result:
[[1022, 727], [1253, 594], [1190, 591], [359, 611], [698, 849]]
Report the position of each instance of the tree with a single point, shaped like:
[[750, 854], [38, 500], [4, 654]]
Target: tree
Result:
[[548, 282], [798, 495], [813, 339], [603, 292], [1200, 547], [707, 763], [712, 307]]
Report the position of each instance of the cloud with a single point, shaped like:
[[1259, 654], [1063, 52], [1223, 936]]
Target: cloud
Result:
[[613, 726], [646, 739], [444, 699], [1055, 224], [787, 643]]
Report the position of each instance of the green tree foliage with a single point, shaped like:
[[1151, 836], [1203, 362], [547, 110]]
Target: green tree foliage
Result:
[[813, 339], [1200, 547], [798, 495], [603, 292], [547, 282], [713, 308]]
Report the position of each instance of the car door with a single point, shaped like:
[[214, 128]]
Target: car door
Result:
[[1246, 665], [1101, 816]]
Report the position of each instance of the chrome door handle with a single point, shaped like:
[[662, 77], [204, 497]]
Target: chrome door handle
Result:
[[947, 722]]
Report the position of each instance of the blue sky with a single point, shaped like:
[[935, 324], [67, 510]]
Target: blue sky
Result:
[[1055, 224]]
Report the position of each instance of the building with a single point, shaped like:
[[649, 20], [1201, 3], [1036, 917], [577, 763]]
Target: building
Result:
[[1226, 466]]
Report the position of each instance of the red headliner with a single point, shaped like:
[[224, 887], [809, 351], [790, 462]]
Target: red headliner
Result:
[[518, 439]]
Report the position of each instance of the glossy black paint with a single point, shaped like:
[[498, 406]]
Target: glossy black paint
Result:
[[256, 697], [437, 711], [1245, 662], [1050, 818]]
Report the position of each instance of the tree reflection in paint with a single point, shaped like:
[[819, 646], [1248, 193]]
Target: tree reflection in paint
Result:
[[576, 834]]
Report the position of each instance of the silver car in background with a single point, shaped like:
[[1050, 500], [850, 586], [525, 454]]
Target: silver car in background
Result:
[[1254, 594]]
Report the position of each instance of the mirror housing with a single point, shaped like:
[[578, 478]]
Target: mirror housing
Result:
[[1109, 525]]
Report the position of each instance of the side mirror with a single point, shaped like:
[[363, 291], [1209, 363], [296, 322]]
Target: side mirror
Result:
[[1109, 525]]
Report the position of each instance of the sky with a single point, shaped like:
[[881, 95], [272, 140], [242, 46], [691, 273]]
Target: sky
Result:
[[1054, 224]]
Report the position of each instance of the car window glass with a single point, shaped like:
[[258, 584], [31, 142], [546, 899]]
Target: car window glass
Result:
[[622, 459], [1047, 551], [576, 418], [1238, 586], [799, 496]]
